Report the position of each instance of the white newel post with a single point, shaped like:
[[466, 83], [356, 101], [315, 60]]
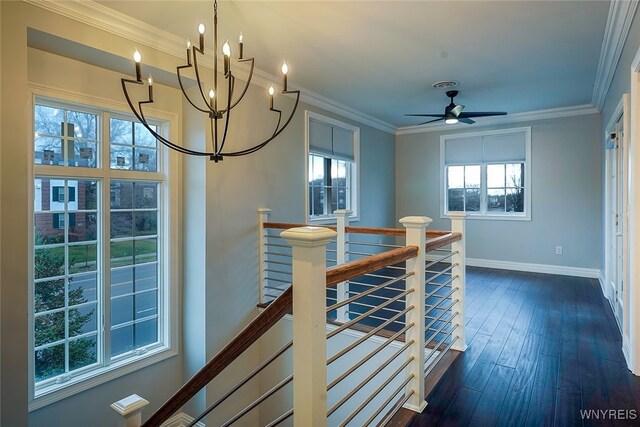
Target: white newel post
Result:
[[416, 228], [458, 221], [263, 216], [309, 324], [342, 256], [131, 410]]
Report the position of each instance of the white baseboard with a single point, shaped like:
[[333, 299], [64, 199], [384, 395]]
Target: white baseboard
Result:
[[181, 420], [603, 284], [562, 270]]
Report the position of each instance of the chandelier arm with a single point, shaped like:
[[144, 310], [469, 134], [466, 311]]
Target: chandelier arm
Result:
[[162, 139], [184, 92], [226, 122], [278, 132], [246, 87], [195, 67], [143, 121]]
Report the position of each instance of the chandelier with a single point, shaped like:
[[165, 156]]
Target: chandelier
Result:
[[219, 113]]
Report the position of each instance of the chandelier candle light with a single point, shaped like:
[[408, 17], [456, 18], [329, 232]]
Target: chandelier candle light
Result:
[[210, 107]]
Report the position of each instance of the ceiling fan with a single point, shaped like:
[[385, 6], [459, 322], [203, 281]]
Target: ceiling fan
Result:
[[453, 113]]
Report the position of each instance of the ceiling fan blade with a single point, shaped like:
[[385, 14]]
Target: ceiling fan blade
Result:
[[430, 121], [481, 114], [425, 115], [466, 120], [457, 109]]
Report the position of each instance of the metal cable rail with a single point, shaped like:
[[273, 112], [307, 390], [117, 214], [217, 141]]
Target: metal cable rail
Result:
[[353, 282], [271, 261], [369, 291], [242, 382], [446, 270], [381, 245], [389, 399], [374, 296], [376, 317], [288, 282], [277, 245], [441, 297], [366, 336], [427, 342], [431, 365], [361, 362], [277, 254], [432, 263], [379, 389], [280, 419], [271, 270], [396, 408], [369, 377]]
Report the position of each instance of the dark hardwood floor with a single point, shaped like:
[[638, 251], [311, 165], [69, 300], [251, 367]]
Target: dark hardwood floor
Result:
[[541, 348]]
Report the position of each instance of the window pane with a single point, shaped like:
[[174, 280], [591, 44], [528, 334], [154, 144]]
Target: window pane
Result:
[[318, 170], [49, 362], [49, 328], [146, 332], [83, 352], [515, 175], [146, 250], [456, 199], [146, 277], [82, 153], [146, 195], [146, 304], [83, 288], [48, 151], [121, 340], [121, 195], [121, 253], [515, 200], [145, 159], [87, 195], [49, 295], [472, 176], [121, 157], [48, 262], [495, 200], [455, 177], [84, 125], [121, 224], [472, 200], [143, 137], [82, 258], [83, 319], [47, 120], [495, 176], [121, 310], [146, 223], [121, 282], [83, 228], [120, 131], [47, 231]]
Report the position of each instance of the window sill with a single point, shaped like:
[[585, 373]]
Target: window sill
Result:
[[492, 217], [55, 392]]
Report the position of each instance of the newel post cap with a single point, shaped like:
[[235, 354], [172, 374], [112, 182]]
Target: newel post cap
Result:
[[129, 405], [308, 236], [457, 215], [264, 210], [415, 221], [342, 212]]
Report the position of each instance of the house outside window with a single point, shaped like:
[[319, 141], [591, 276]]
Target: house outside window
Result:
[[487, 174], [331, 167], [102, 299]]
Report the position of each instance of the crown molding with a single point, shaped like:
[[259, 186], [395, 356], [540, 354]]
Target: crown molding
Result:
[[619, 21], [99, 16], [552, 113]]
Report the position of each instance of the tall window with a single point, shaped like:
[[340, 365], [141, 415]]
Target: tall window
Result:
[[487, 174], [99, 275], [331, 167]]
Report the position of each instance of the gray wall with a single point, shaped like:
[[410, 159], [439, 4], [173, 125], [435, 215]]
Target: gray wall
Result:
[[219, 210], [565, 189]]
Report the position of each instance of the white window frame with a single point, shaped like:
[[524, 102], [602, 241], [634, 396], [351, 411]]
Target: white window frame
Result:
[[168, 251], [354, 196], [483, 214]]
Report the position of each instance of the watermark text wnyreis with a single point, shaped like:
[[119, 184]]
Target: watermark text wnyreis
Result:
[[608, 414]]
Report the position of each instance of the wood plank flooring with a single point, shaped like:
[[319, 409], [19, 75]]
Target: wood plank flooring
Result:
[[541, 348]]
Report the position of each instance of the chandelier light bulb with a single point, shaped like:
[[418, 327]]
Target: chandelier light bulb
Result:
[[285, 68], [212, 94], [137, 57], [226, 49], [150, 79], [271, 90], [451, 121], [188, 44], [201, 28], [241, 38]]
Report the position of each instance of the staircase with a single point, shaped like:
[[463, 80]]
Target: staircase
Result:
[[371, 323]]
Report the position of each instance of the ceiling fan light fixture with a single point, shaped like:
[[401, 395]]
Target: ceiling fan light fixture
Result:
[[444, 84], [451, 121]]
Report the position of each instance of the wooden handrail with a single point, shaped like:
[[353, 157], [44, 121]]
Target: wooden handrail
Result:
[[400, 232], [443, 240], [249, 335], [353, 269]]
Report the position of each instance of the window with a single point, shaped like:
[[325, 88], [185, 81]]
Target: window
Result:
[[100, 272], [332, 163], [487, 174]]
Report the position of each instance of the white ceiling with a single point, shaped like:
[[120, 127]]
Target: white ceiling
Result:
[[381, 57]]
